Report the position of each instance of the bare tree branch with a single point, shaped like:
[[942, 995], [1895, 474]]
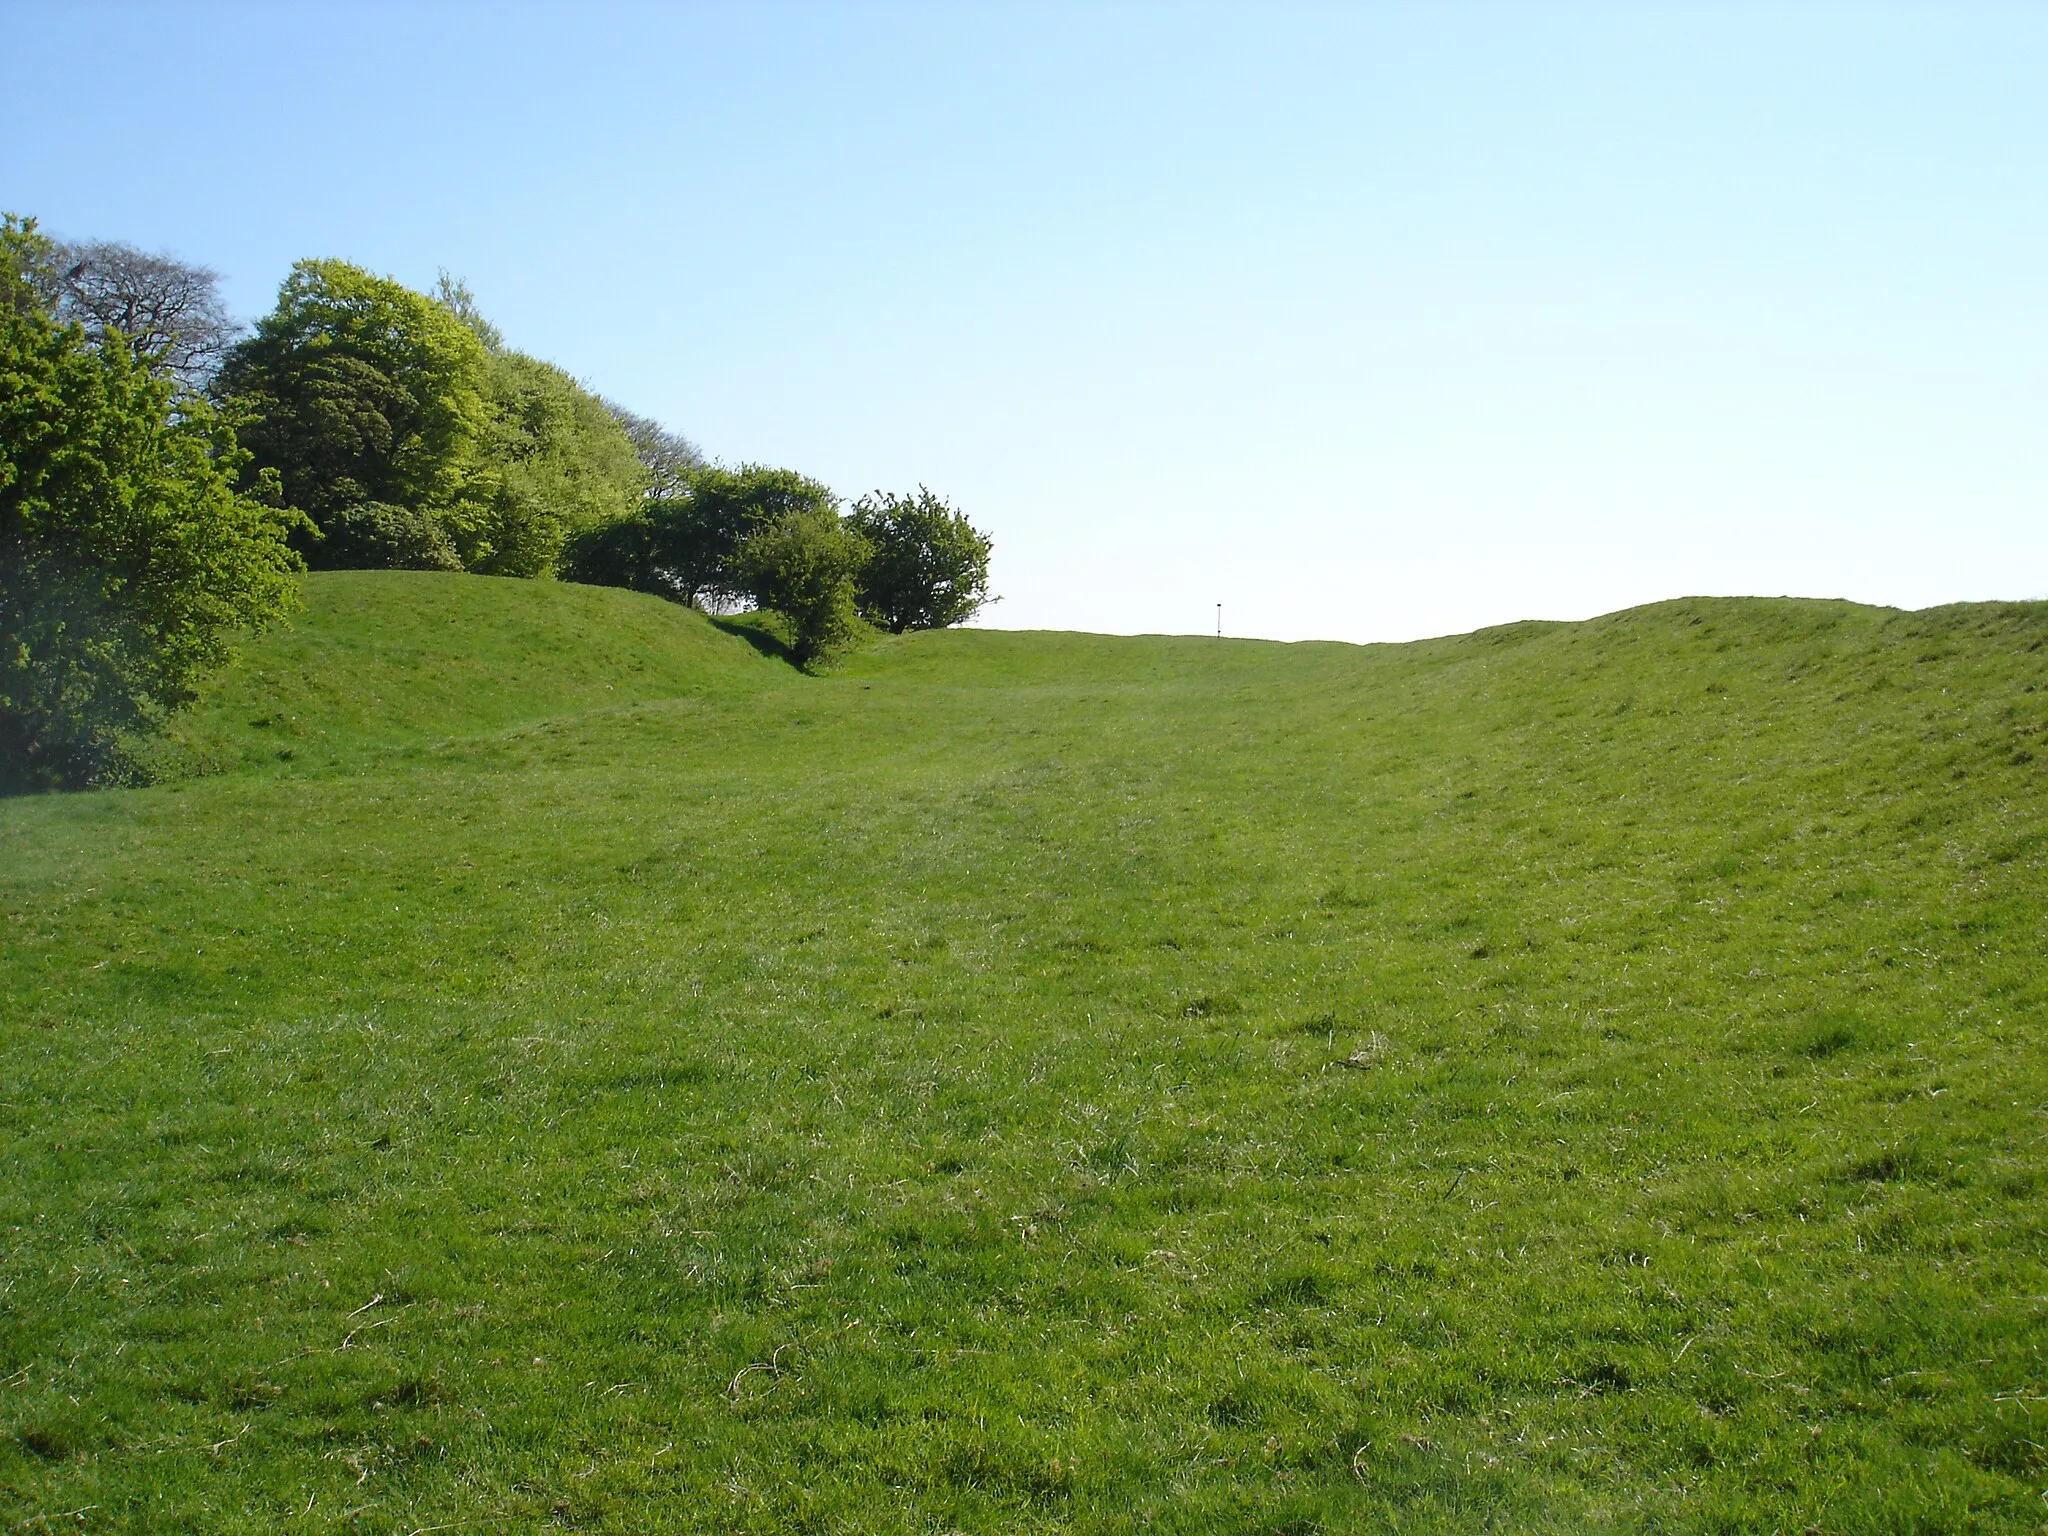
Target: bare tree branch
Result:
[[168, 312], [670, 457]]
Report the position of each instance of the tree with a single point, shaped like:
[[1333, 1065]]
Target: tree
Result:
[[558, 461], [127, 557], [361, 392], [803, 564], [686, 546], [930, 565], [168, 313], [628, 551], [453, 294], [558, 458], [723, 509], [376, 536], [669, 457], [620, 554]]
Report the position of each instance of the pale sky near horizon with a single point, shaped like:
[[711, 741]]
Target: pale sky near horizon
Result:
[[1368, 322]]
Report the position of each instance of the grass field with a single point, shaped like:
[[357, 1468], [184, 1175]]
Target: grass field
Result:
[[565, 1069]]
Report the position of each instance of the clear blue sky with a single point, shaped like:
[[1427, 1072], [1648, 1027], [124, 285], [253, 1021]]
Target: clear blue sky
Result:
[[1365, 321]]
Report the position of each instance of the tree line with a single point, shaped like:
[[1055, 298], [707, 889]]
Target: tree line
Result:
[[164, 474]]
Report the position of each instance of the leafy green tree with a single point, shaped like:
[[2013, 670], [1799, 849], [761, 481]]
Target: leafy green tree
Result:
[[362, 392], [930, 565], [375, 536], [415, 437], [803, 564], [557, 459], [558, 462], [620, 554], [724, 508], [453, 294], [127, 558], [686, 546]]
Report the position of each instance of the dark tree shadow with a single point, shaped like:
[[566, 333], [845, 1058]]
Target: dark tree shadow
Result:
[[755, 631], [104, 765]]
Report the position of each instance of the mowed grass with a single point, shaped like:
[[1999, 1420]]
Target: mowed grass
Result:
[[1569, 1077]]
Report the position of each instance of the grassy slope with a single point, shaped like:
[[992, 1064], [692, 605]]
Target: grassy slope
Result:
[[404, 659], [1567, 1077]]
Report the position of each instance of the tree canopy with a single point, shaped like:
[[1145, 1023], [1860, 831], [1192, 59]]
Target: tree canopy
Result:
[[685, 546], [929, 568], [127, 557], [558, 461], [411, 435], [361, 391], [669, 458]]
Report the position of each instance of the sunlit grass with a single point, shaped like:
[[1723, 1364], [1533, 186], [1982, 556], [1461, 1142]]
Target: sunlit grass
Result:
[[1569, 1077]]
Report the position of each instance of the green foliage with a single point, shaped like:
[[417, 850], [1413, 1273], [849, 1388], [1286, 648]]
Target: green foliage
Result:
[[454, 295], [803, 564], [361, 391], [700, 536], [561, 463], [1578, 1077], [373, 536], [929, 569], [412, 435], [127, 560], [622, 554], [685, 543]]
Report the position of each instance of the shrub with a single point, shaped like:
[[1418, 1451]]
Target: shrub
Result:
[[378, 536], [803, 564]]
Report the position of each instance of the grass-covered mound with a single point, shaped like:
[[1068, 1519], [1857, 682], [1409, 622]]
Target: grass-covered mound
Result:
[[1567, 1077], [401, 659]]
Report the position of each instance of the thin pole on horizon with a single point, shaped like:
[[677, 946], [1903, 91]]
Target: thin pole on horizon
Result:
[[1219, 621]]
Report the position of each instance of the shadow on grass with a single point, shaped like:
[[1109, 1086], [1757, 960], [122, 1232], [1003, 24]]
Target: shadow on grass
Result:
[[755, 630], [20, 776], [21, 786]]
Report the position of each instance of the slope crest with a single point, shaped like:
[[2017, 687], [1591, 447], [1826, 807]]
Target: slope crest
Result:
[[384, 659]]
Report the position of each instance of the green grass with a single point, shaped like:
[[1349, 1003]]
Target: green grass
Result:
[[1569, 1077], [388, 660]]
